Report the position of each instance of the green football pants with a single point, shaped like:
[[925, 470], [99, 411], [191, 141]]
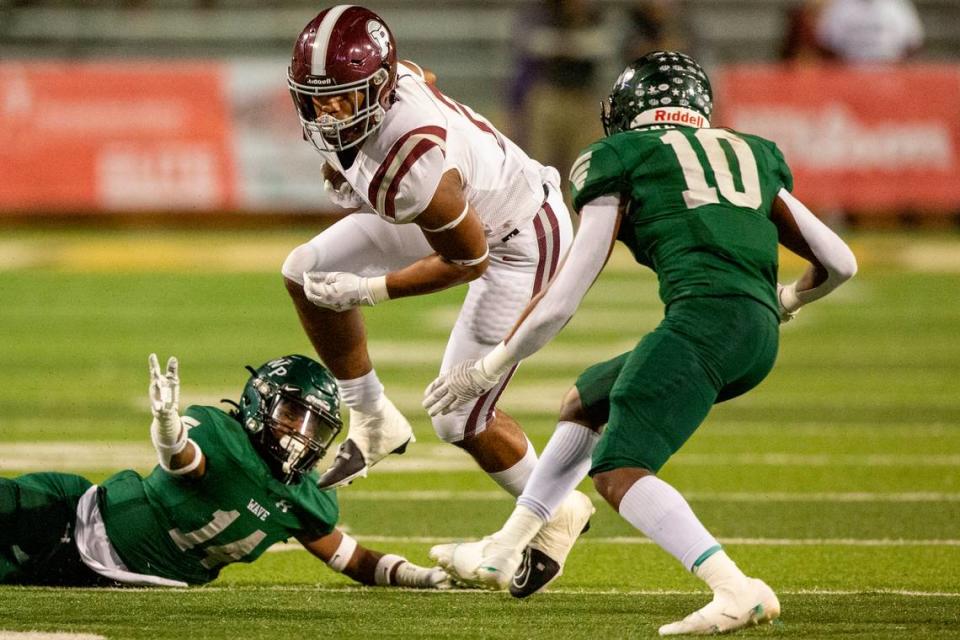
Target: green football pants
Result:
[[706, 350], [37, 516]]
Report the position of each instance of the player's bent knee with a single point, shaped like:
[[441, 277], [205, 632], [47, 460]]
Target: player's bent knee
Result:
[[614, 484], [604, 483], [572, 411], [301, 259], [449, 428]]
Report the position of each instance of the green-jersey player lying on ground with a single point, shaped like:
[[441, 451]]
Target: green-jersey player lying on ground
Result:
[[227, 487]]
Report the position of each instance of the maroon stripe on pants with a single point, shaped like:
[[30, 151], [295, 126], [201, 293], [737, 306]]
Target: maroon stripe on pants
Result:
[[486, 404], [555, 226]]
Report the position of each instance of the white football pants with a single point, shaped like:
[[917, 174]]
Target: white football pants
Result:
[[522, 261]]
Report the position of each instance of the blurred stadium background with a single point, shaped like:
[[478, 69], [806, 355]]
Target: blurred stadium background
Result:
[[152, 179]]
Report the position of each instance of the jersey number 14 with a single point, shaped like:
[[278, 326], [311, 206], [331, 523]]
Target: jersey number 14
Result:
[[699, 192]]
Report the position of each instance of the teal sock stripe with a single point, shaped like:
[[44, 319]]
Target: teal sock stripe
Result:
[[706, 554]]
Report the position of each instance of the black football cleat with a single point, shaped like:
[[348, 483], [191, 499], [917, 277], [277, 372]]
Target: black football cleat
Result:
[[535, 572], [370, 439], [544, 557]]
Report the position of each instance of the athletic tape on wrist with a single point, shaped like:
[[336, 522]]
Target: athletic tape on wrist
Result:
[[341, 557], [386, 569], [377, 288], [789, 298], [160, 431]]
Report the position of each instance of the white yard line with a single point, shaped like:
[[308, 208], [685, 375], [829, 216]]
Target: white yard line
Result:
[[98, 456], [910, 593], [715, 496], [636, 540], [47, 635]]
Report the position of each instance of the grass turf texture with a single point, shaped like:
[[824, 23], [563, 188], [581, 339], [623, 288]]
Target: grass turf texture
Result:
[[837, 480]]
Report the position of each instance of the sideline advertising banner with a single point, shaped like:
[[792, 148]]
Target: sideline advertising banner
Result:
[[158, 136], [116, 136], [876, 139]]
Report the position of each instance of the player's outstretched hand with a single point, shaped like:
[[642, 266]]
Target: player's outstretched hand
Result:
[[339, 290], [416, 577], [458, 386], [164, 388]]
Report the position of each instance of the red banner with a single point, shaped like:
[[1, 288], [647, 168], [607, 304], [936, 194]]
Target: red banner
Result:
[[864, 138], [114, 136]]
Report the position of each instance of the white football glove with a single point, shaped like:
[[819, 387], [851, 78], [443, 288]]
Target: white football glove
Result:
[[164, 388], [165, 431], [339, 290], [416, 577], [342, 196], [458, 386], [785, 296]]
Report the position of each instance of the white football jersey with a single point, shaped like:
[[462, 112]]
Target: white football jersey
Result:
[[424, 134]]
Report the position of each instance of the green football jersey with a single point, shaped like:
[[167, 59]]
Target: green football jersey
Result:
[[187, 530], [697, 206]]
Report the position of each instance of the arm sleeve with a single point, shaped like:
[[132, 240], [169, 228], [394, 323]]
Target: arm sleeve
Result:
[[832, 252], [563, 295]]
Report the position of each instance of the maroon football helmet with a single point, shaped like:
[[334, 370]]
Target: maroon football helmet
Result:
[[345, 51]]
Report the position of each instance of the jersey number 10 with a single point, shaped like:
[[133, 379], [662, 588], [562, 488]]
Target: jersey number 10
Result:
[[698, 192]]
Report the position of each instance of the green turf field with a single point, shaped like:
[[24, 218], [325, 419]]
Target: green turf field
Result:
[[837, 481]]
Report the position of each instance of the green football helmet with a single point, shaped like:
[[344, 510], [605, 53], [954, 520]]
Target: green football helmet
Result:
[[290, 408], [662, 88]]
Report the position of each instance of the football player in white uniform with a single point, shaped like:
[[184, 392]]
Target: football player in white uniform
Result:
[[451, 201]]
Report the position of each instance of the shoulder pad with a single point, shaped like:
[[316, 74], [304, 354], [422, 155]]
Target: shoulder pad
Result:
[[406, 180]]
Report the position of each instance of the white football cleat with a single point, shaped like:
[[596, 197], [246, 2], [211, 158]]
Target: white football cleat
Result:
[[370, 439], [543, 559], [482, 563], [754, 604]]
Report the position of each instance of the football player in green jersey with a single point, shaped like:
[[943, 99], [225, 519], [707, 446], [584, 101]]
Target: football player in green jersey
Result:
[[705, 209], [227, 487]]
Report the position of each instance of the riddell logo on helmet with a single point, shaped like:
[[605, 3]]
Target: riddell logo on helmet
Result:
[[670, 116], [682, 116], [320, 81]]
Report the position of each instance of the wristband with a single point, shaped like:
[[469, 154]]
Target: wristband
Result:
[[386, 569], [497, 362], [377, 289], [341, 557]]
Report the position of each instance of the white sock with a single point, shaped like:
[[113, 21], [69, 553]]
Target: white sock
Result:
[[514, 479], [720, 572], [519, 529], [365, 394], [564, 463], [661, 513]]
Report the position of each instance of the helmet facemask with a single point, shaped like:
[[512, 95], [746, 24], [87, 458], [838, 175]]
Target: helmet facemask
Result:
[[296, 436], [329, 134], [290, 408]]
